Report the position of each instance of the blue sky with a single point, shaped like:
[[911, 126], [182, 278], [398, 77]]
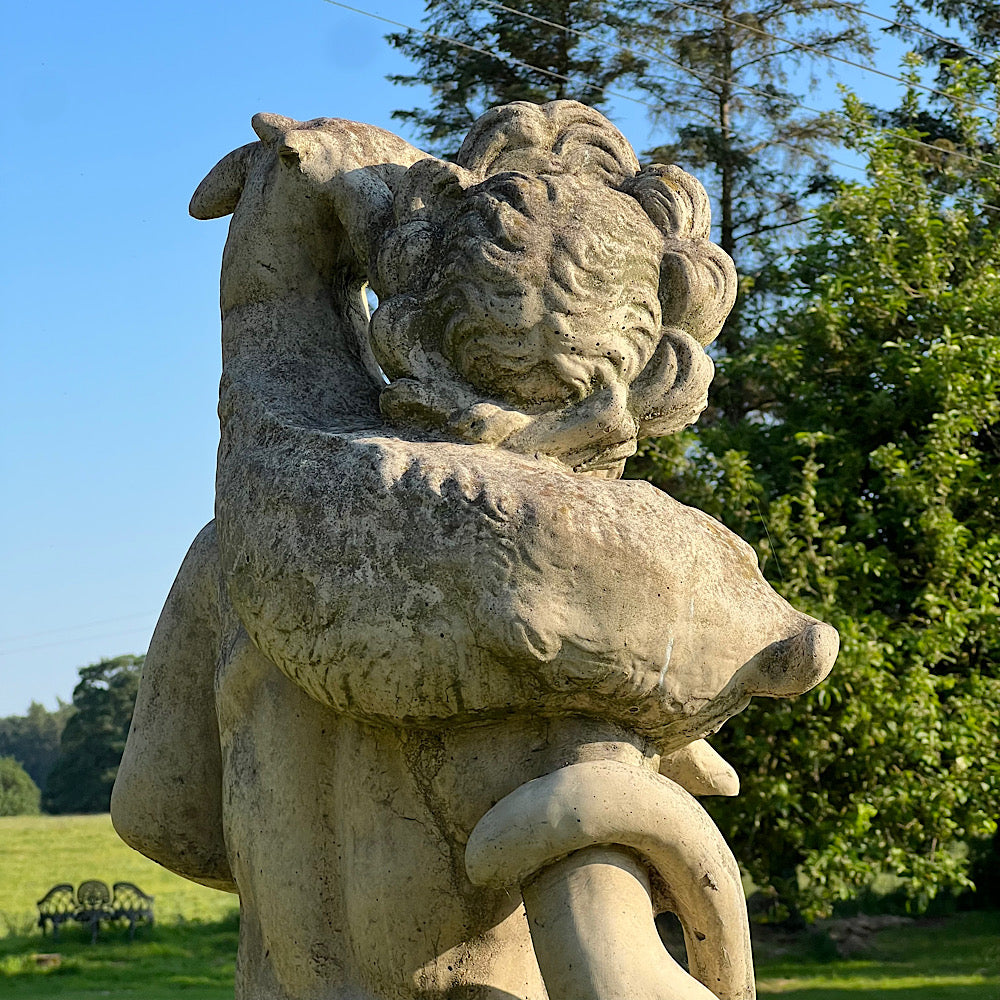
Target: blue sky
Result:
[[109, 325]]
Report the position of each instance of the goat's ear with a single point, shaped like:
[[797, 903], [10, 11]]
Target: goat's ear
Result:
[[272, 129], [219, 192]]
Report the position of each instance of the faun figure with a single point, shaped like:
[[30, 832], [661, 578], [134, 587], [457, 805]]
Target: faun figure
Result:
[[431, 692]]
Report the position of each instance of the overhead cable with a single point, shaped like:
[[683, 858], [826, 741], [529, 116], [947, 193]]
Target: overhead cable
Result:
[[656, 108], [519, 62], [916, 29], [68, 642], [76, 628], [805, 47], [486, 52], [737, 88]]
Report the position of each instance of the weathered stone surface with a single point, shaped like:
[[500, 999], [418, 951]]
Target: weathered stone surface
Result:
[[427, 609]]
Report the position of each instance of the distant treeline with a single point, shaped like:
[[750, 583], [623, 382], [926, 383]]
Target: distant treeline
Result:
[[71, 754]]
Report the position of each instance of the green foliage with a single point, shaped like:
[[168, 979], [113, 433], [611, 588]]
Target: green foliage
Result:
[[870, 488], [32, 739], [94, 737], [19, 795]]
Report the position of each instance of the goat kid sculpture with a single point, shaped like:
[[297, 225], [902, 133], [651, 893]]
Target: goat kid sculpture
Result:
[[430, 692]]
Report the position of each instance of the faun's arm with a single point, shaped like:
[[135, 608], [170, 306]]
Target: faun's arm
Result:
[[167, 799]]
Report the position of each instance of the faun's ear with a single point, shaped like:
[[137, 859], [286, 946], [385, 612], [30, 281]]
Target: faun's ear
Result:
[[675, 201], [697, 287], [219, 192], [672, 390]]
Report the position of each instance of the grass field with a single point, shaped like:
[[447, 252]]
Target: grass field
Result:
[[190, 953], [956, 958], [36, 852]]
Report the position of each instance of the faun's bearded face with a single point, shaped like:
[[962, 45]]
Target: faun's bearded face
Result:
[[546, 294], [547, 315], [540, 358]]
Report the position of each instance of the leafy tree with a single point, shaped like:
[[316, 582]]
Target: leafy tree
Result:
[[94, 738], [944, 32], [32, 739], [870, 488], [19, 795], [957, 30]]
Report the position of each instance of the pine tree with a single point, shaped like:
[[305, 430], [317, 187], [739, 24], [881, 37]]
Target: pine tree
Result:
[[725, 83], [478, 53]]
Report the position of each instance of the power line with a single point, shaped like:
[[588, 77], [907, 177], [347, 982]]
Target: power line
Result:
[[829, 55], [916, 29], [655, 54], [486, 52], [538, 69], [659, 56], [738, 88], [862, 170], [68, 642], [77, 628], [657, 109]]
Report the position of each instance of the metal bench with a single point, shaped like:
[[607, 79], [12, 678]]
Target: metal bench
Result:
[[132, 904], [93, 904]]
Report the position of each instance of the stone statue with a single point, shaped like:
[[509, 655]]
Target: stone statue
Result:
[[431, 691]]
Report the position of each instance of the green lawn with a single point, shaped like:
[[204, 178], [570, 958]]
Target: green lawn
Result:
[[194, 960], [953, 959], [36, 852], [190, 953]]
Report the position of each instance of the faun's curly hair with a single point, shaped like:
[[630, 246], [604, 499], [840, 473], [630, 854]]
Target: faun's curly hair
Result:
[[544, 270]]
